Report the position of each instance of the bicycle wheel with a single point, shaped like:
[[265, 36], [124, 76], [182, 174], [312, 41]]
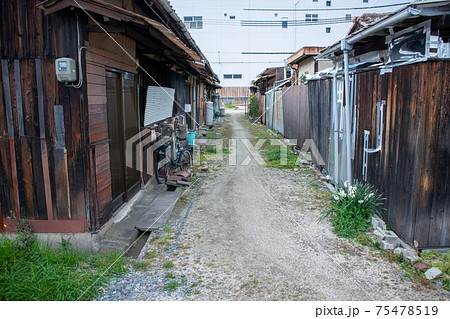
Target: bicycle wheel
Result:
[[185, 160], [162, 170]]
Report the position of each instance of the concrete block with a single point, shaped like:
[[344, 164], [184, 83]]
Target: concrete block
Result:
[[379, 235], [385, 245], [411, 256], [433, 273], [398, 251]]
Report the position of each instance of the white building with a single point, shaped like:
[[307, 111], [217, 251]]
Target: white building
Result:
[[241, 38]]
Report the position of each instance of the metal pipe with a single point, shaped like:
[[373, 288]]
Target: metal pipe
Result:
[[335, 127], [400, 16], [346, 48]]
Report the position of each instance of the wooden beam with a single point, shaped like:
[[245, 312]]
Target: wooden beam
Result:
[[43, 142], [104, 28], [52, 226], [10, 124]]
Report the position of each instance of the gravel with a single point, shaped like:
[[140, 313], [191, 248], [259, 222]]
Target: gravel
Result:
[[252, 233]]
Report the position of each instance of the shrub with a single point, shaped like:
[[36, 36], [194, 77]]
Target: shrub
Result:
[[253, 109], [352, 208]]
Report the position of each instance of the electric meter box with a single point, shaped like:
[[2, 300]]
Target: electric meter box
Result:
[[66, 70]]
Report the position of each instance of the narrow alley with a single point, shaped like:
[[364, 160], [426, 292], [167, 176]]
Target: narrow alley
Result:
[[252, 233]]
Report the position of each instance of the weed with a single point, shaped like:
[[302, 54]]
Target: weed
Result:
[[365, 240], [170, 275], [26, 239], [196, 292], [168, 228], [352, 208], [141, 265], [172, 286], [151, 255], [168, 237], [209, 264], [42, 273], [168, 264], [194, 285]]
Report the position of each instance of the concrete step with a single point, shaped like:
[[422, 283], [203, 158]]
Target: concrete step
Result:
[[123, 232], [158, 212]]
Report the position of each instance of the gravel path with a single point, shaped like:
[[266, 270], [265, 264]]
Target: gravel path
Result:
[[251, 233]]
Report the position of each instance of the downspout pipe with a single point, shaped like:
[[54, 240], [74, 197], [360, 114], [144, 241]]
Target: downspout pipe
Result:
[[335, 127], [346, 47]]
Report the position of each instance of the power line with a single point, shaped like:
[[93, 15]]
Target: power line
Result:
[[326, 9]]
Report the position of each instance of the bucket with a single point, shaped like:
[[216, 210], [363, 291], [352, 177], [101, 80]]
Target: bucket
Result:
[[191, 138], [222, 111]]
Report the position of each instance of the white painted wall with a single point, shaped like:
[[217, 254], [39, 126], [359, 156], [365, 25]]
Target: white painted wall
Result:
[[224, 40]]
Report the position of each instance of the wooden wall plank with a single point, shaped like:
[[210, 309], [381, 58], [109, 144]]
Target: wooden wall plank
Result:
[[19, 103], [43, 143], [10, 124]]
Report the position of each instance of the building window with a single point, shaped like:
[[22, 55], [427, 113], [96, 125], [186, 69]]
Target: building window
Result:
[[193, 22], [328, 3], [311, 17], [315, 0], [365, 1], [232, 17], [275, 14], [232, 76], [348, 17], [284, 24], [224, 14], [327, 30]]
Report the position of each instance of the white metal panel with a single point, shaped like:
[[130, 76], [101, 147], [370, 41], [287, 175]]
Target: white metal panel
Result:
[[159, 104]]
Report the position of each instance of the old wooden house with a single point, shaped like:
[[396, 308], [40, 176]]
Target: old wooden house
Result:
[[62, 144], [382, 116]]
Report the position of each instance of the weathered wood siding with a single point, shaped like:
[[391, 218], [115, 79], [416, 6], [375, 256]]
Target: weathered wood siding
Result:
[[296, 113], [412, 169], [319, 96], [45, 180]]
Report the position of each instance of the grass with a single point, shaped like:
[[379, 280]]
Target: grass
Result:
[[170, 275], [442, 261], [168, 264], [43, 273], [230, 106], [172, 286], [272, 154], [141, 265], [151, 255]]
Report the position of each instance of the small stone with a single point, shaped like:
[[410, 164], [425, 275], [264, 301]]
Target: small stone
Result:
[[295, 169], [439, 284], [204, 163], [398, 251], [433, 273], [303, 162], [204, 168]]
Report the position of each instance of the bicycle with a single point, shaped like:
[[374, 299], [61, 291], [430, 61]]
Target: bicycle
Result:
[[169, 162]]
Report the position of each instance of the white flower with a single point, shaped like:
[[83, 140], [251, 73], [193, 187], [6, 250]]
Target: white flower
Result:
[[370, 195], [336, 197], [345, 184], [360, 201], [342, 193]]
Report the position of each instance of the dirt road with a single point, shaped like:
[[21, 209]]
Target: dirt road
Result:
[[252, 233]]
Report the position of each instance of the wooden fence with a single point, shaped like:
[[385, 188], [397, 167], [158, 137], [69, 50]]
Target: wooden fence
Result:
[[412, 168]]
